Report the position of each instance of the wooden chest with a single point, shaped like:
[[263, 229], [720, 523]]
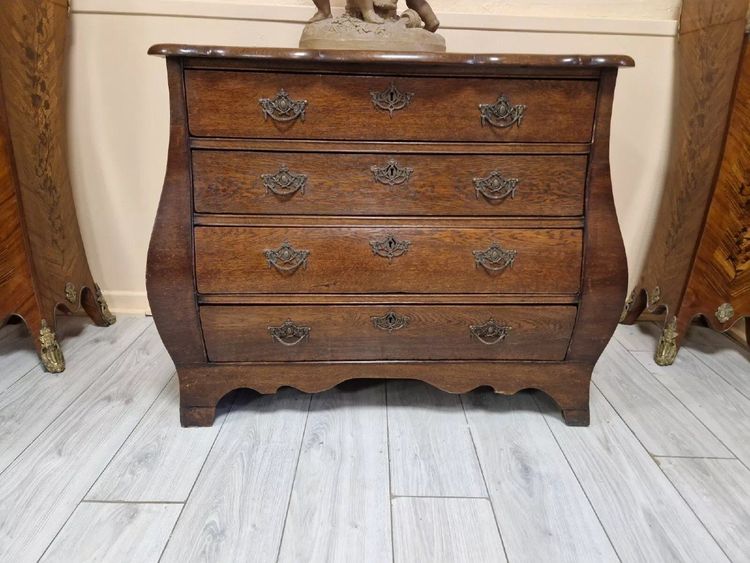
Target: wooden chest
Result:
[[336, 215]]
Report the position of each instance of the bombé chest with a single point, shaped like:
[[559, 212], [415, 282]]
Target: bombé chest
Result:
[[336, 215]]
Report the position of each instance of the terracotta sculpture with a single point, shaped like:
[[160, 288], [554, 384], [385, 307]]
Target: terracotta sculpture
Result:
[[374, 24], [367, 10]]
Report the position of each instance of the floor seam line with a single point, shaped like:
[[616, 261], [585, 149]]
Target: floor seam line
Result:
[[484, 478]]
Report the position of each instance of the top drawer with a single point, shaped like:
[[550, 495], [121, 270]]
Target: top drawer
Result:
[[380, 108]]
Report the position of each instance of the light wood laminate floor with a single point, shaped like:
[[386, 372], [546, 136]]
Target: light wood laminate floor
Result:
[[95, 467]]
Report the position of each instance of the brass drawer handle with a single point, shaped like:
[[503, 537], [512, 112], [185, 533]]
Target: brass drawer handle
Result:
[[289, 334], [390, 321], [284, 183], [283, 108], [495, 258], [392, 174], [390, 247], [391, 99], [286, 258], [490, 333], [502, 113], [496, 187]]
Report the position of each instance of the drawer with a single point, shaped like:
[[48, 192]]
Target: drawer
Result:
[[310, 106], [366, 332], [387, 184], [387, 260]]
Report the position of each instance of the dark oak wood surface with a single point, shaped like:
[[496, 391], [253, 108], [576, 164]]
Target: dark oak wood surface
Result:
[[341, 260], [211, 273], [235, 182], [432, 332], [341, 107]]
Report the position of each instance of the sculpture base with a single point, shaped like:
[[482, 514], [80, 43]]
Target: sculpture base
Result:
[[347, 32]]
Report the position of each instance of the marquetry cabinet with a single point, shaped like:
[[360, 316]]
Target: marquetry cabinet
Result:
[[698, 264], [43, 265], [336, 215]]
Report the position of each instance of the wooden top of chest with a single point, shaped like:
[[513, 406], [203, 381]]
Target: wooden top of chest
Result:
[[388, 59]]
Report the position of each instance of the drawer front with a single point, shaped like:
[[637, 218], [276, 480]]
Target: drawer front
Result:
[[365, 332], [309, 106], [387, 260], [387, 184]]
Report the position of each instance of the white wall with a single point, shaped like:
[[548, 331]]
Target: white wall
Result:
[[119, 107]]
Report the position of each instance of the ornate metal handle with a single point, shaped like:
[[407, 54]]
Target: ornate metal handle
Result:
[[392, 174], [502, 113], [391, 99], [495, 258], [289, 334], [390, 247], [283, 108], [284, 183], [496, 186], [286, 258], [390, 321], [490, 333]]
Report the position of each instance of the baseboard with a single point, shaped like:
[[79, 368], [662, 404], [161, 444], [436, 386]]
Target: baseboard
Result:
[[127, 302]]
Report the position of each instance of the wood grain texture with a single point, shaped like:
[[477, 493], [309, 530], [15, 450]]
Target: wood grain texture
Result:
[[718, 490], [339, 332], [232, 182], [33, 62], [37, 400], [160, 461], [431, 450], [721, 270], [42, 487], [169, 266], [232, 260], [660, 421], [718, 404], [237, 507], [560, 253], [723, 356], [445, 529], [639, 337], [17, 353], [455, 61], [114, 532], [336, 104], [708, 52], [526, 473], [339, 508], [621, 482]]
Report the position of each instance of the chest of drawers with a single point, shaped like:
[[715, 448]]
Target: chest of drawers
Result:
[[335, 215]]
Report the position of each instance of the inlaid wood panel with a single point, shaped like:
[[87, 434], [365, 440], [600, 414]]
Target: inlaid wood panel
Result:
[[317, 183], [424, 332], [342, 260], [341, 107]]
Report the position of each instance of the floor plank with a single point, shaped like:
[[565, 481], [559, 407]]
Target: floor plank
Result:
[[719, 405], [661, 422], [339, 509], [445, 529], [718, 490], [237, 507], [723, 355], [109, 532], [644, 516], [431, 450], [161, 460], [17, 354], [34, 402], [41, 488], [639, 337], [542, 512]]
